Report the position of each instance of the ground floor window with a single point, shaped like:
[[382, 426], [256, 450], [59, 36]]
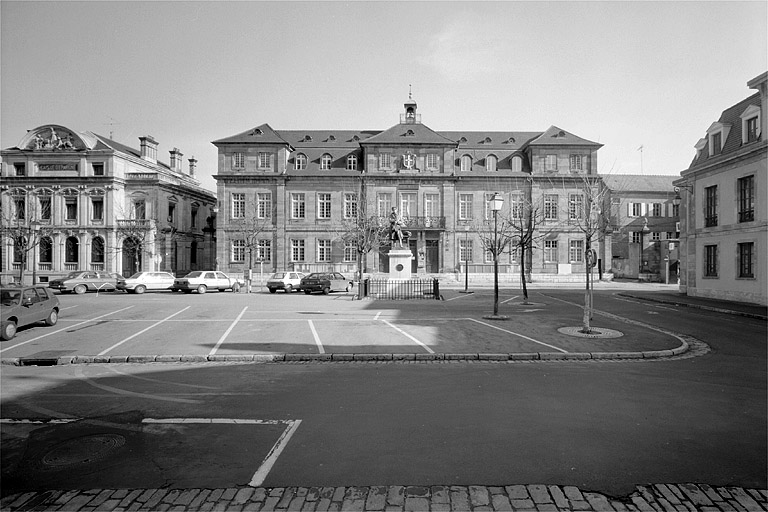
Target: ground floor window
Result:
[[323, 250], [238, 250], [264, 250], [550, 251], [297, 250], [746, 257], [350, 252], [710, 260], [576, 251], [465, 249]]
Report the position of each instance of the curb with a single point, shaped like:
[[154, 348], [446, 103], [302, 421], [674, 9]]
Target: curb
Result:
[[695, 306]]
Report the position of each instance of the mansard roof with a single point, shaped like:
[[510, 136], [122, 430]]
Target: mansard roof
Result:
[[555, 136], [409, 133], [639, 182], [491, 139], [262, 134]]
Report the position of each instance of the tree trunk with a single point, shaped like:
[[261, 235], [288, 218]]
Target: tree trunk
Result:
[[586, 329], [522, 274]]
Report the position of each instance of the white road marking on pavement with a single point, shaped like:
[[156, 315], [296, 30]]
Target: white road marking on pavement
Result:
[[409, 336], [226, 333], [72, 306], [79, 374], [211, 421], [103, 352], [317, 338], [114, 370], [64, 329], [509, 299], [274, 453], [377, 315], [520, 335]]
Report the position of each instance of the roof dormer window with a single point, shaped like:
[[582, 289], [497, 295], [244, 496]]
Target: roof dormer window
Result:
[[307, 138], [750, 124], [463, 140], [700, 146], [717, 135], [331, 138]]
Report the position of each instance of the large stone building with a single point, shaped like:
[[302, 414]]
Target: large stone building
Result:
[[724, 205], [295, 188], [79, 201]]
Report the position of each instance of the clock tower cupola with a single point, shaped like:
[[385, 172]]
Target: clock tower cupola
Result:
[[410, 116]]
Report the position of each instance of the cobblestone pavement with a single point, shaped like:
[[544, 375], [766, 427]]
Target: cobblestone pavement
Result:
[[650, 498]]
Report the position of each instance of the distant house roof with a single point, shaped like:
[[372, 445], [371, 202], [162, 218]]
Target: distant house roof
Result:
[[639, 182], [491, 140], [555, 136], [410, 133], [263, 134]]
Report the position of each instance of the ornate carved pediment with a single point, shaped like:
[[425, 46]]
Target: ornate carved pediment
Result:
[[55, 138]]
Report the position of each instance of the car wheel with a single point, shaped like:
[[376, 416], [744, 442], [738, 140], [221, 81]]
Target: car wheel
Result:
[[201, 289], [272, 290], [140, 289], [288, 288], [307, 292], [80, 289], [53, 317], [326, 290], [8, 330]]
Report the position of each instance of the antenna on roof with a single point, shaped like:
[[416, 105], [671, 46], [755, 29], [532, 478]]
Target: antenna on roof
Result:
[[111, 124], [640, 149]]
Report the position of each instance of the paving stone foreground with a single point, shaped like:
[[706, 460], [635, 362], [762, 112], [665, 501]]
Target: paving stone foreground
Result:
[[650, 498]]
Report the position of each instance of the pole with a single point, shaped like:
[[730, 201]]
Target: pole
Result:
[[466, 261], [495, 266]]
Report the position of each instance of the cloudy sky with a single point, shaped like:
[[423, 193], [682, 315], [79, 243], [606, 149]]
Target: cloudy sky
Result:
[[625, 74]]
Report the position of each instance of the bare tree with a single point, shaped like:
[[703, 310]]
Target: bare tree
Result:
[[249, 229], [25, 234]]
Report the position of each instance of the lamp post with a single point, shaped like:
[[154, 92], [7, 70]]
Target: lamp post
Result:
[[466, 260], [497, 202]]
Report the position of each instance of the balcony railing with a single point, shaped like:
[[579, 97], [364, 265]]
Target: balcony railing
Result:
[[418, 222], [746, 215], [134, 223], [710, 221]]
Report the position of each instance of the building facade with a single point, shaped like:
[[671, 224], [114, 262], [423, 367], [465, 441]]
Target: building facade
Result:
[[724, 206], [294, 189], [80, 201]]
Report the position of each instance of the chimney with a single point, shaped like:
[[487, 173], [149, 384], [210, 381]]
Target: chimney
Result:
[[176, 160], [192, 166], [148, 149]]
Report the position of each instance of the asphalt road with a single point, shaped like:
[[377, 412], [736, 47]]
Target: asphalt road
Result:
[[605, 426]]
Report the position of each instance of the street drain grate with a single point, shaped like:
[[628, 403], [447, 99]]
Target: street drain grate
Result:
[[82, 450]]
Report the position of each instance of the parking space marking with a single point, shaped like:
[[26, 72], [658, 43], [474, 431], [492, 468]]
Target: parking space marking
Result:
[[377, 315], [226, 333], [274, 453], [409, 336], [519, 335], [317, 338], [509, 299], [64, 329], [103, 352]]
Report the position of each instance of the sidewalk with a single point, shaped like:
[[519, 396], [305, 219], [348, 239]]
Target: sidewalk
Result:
[[650, 498], [720, 306]]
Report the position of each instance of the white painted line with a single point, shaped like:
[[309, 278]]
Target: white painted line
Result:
[[210, 421], [317, 338], [103, 352], [509, 299], [520, 335], [72, 306], [52, 421], [226, 333], [274, 453], [64, 329], [118, 391], [409, 336], [377, 315]]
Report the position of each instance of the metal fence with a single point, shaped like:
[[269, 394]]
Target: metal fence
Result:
[[401, 289]]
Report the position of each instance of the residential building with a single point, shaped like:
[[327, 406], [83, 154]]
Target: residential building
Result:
[[645, 227], [81, 201], [294, 188], [723, 205]]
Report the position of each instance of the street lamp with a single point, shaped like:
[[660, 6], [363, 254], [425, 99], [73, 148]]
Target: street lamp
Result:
[[497, 202], [466, 260]]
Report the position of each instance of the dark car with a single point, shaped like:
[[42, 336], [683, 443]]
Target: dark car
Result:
[[81, 281], [25, 305], [325, 282]]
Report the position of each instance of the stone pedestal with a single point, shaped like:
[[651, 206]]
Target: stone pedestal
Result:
[[400, 263]]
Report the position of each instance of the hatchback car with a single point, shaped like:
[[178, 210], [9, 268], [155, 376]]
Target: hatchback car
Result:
[[141, 282], [204, 280], [81, 281], [26, 305], [287, 281], [325, 282]]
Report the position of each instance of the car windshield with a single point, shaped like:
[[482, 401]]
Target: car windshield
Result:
[[278, 275], [73, 275], [10, 297], [196, 273]]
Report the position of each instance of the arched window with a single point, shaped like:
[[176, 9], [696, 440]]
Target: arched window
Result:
[[517, 164], [325, 162], [46, 250], [466, 163], [352, 163], [301, 162], [19, 249], [97, 250], [71, 250], [490, 163]]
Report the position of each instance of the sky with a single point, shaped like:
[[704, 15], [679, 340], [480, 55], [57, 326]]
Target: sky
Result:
[[624, 74]]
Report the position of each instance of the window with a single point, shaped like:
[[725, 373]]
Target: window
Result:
[[710, 260], [750, 124], [550, 251], [466, 163], [384, 204], [301, 162], [297, 250], [98, 169], [746, 191], [97, 208], [550, 163], [550, 207], [465, 250], [323, 250], [431, 205], [352, 163], [385, 161], [139, 209], [635, 209], [575, 206], [433, 161], [46, 250], [97, 250], [71, 250], [656, 236], [20, 204], [516, 206], [264, 249], [238, 250], [637, 236], [408, 204], [238, 160], [70, 208], [575, 163], [263, 205], [193, 220], [656, 210], [746, 257], [45, 207], [465, 206], [675, 210], [517, 164], [576, 251], [751, 129], [716, 143], [324, 206], [325, 162], [350, 205], [490, 163], [298, 205], [265, 160], [20, 169], [710, 206], [171, 212], [350, 252], [238, 206]]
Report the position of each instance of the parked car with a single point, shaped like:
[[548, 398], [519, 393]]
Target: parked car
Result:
[[26, 305], [204, 280], [141, 282], [81, 281], [287, 281], [325, 282]]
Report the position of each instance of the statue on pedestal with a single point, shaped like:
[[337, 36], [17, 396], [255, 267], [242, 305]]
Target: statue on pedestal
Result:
[[397, 233]]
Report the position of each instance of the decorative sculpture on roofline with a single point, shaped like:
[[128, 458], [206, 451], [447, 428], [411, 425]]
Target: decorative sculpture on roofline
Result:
[[396, 231]]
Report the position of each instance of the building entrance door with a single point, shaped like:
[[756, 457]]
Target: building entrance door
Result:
[[432, 256]]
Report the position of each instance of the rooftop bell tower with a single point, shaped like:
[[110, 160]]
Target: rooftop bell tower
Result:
[[410, 116]]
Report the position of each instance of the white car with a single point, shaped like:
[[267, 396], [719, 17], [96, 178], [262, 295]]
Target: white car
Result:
[[141, 282], [204, 280], [287, 281]]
